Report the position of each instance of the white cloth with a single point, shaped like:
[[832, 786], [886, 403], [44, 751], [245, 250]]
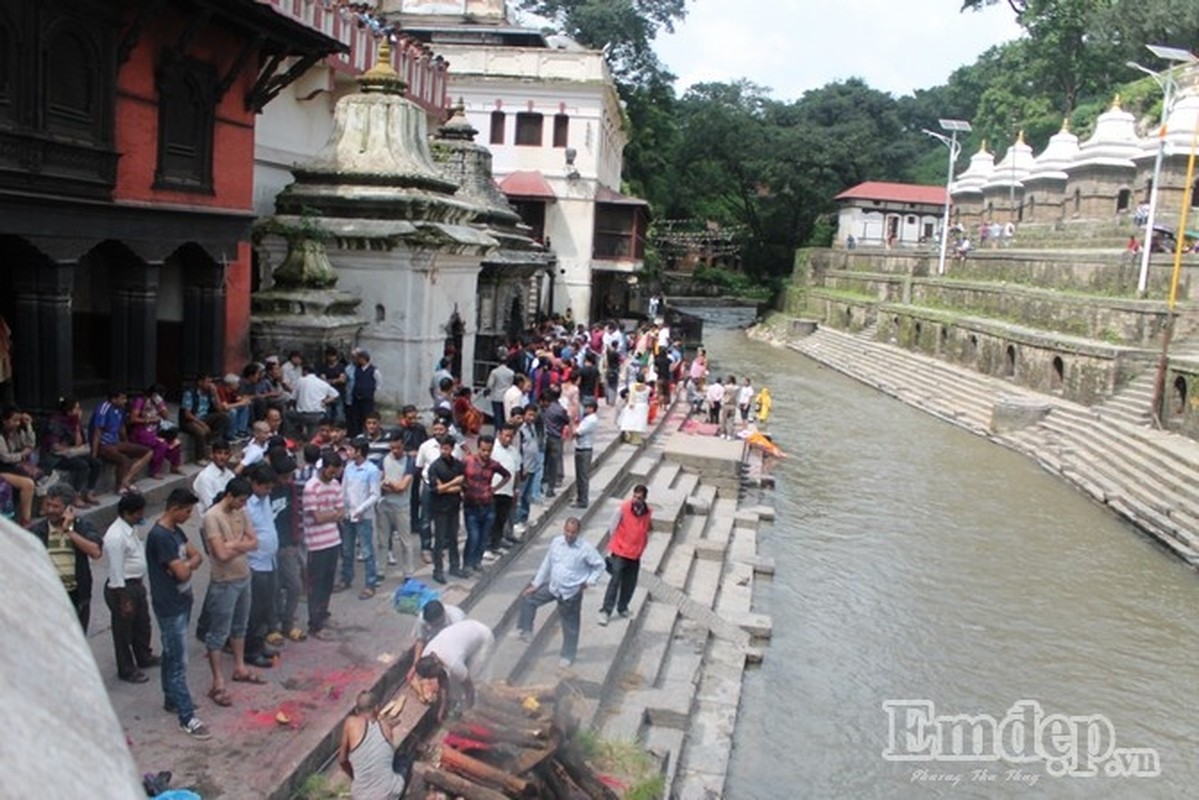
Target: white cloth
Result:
[[311, 393], [513, 397], [463, 648], [509, 458], [124, 552], [635, 416], [210, 482]]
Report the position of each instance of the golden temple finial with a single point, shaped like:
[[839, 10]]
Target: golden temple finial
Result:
[[1020, 137], [382, 77], [982, 148], [1065, 125], [1115, 103]]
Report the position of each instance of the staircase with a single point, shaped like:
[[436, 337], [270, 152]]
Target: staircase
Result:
[[669, 676], [1149, 477]]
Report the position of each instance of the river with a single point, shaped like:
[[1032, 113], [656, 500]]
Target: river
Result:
[[919, 564]]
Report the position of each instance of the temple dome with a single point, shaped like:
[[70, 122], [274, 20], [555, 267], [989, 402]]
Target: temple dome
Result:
[[974, 176], [1014, 167], [1114, 143], [1057, 157]]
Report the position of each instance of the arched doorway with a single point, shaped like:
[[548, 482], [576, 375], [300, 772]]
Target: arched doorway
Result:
[[35, 304], [201, 334], [455, 330]]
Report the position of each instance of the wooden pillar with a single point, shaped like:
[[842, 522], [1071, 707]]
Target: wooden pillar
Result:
[[203, 320], [134, 323], [42, 357]]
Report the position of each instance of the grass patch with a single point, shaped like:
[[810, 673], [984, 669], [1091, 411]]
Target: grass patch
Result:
[[316, 787], [627, 762]]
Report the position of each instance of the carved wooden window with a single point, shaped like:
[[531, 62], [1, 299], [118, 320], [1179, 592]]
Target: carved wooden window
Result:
[[528, 129], [561, 130], [186, 116], [8, 64], [73, 70], [497, 127]]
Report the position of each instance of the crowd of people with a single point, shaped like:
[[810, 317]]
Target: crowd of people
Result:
[[302, 481]]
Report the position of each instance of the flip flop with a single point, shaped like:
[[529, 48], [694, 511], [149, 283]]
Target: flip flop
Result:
[[366, 594], [249, 677], [220, 697]]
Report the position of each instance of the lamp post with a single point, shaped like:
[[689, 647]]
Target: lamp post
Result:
[[954, 126], [1176, 56], [1159, 382]]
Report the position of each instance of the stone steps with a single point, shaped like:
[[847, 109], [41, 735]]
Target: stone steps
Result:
[[1148, 476]]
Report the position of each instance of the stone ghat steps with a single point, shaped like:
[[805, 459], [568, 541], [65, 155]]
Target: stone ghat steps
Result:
[[641, 679], [1123, 469], [1147, 476], [962, 398]]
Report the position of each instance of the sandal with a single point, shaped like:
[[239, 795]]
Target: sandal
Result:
[[249, 677], [220, 697], [367, 593]]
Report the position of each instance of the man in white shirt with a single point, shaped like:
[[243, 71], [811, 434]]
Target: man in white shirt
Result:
[[507, 452], [125, 591], [255, 449], [515, 397], [458, 658], [314, 396], [211, 480], [361, 482]]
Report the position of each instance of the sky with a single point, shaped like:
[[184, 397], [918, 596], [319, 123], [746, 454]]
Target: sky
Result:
[[792, 46]]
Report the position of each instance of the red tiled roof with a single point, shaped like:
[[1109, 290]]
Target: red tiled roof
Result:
[[527, 183], [895, 193]]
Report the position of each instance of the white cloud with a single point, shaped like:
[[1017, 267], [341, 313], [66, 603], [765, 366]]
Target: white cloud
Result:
[[792, 46]]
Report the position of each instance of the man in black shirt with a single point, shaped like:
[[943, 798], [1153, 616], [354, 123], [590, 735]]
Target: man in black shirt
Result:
[[334, 373], [446, 476], [589, 379]]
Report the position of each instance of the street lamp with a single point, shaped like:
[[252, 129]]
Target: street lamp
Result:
[[954, 126], [1176, 56]]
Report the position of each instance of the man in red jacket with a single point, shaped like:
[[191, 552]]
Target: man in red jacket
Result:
[[628, 533]]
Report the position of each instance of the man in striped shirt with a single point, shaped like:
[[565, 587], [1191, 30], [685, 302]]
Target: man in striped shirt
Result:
[[324, 506]]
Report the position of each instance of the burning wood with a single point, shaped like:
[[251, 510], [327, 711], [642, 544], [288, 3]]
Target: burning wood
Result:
[[515, 743]]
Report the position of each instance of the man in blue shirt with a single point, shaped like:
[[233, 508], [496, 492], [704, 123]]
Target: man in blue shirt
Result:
[[107, 433], [264, 586], [571, 565], [362, 484], [202, 415]]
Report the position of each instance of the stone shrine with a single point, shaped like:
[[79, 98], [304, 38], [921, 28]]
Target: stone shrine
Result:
[[396, 236], [515, 278]]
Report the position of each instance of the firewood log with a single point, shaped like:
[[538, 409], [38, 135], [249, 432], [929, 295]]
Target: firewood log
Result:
[[481, 772], [491, 732], [460, 787]]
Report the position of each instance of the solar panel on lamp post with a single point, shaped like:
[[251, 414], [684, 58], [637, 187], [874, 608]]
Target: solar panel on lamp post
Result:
[[954, 126], [1176, 56]]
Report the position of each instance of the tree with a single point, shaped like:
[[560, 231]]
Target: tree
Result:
[[1017, 6], [625, 28]]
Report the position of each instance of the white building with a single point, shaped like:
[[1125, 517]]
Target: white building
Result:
[[550, 114], [889, 214]]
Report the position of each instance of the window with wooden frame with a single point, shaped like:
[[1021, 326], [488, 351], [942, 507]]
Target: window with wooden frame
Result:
[[528, 129]]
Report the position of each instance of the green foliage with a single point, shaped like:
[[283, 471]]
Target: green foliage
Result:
[[316, 787]]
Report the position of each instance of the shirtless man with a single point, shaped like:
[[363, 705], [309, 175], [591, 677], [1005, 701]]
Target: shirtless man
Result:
[[366, 752]]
